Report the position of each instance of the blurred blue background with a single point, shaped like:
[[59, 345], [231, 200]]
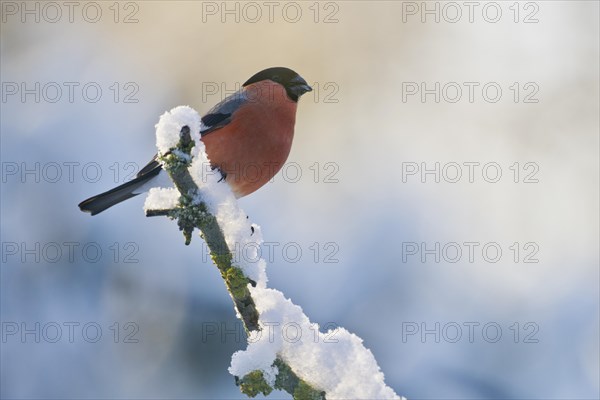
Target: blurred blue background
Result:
[[115, 306]]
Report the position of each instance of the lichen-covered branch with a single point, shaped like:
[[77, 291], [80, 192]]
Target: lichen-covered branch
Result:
[[254, 383], [190, 214]]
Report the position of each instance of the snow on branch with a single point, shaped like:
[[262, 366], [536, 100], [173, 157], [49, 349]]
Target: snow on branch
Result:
[[308, 365]]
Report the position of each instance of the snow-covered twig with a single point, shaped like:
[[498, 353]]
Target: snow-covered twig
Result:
[[333, 364]]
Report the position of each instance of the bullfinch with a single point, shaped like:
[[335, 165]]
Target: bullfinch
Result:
[[248, 137]]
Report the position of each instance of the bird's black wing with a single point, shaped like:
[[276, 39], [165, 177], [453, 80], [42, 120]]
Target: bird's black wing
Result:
[[216, 118], [221, 114]]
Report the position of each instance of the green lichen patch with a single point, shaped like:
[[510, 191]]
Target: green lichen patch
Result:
[[305, 392], [287, 380], [254, 383], [237, 283]]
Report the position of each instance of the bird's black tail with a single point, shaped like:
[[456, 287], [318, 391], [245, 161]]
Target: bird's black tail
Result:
[[102, 201]]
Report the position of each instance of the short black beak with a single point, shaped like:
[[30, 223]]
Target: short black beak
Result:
[[299, 86]]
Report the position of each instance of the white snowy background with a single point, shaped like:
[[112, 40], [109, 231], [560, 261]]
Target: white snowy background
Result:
[[187, 330]]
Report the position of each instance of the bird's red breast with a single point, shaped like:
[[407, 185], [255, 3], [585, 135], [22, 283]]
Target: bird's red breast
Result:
[[253, 147]]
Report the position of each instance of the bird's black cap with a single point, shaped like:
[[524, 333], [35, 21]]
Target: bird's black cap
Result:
[[295, 86]]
